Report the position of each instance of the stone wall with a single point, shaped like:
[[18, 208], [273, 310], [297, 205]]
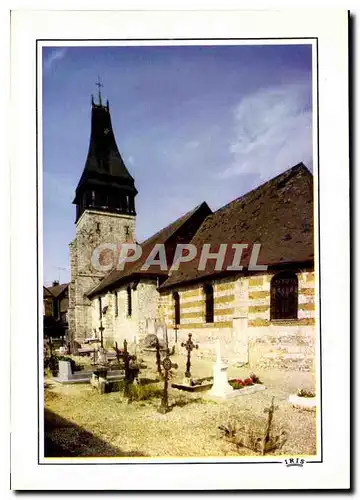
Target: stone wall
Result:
[[285, 344], [242, 321], [116, 321], [192, 309], [92, 229]]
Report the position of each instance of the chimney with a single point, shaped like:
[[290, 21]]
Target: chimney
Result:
[[55, 283]]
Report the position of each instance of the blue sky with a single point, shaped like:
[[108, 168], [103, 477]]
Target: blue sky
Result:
[[193, 124]]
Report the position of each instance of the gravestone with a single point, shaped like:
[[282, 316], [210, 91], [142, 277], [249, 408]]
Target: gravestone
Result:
[[99, 381], [102, 357], [150, 326], [221, 387], [65, 372], [161, 333]]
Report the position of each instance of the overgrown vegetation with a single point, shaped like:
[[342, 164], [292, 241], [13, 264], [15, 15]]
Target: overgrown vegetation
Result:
[[304, 393], [143, 392], [256, 433], [51, 362]]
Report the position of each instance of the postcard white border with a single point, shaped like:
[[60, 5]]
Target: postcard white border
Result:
[[331, 30]]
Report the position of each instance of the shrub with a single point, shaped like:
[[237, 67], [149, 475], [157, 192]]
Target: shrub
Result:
[[255, 378], [246, 431], [304, 393], [140, 392]]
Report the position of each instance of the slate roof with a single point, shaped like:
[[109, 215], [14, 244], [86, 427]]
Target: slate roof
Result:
[[133, 269], [278, 214], [57, 290], [104, 164]]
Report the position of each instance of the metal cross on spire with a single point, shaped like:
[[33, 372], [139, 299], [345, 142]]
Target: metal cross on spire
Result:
[[99, 85]]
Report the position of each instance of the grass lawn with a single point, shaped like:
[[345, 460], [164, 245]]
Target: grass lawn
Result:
[[81, 422]]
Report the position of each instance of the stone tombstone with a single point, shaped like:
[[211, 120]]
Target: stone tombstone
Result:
[[161, 333], [63, 350], [221, 387], [65, 372], [150, 326], [102, 357]]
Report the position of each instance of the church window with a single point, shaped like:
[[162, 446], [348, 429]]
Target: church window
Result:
[[100, 309], [93, 198], [116, 304], [176, 297], [284, 296], [129, 301], [126, 230], [209, 303]]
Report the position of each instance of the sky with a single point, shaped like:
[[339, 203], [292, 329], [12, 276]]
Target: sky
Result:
[[192, 123]]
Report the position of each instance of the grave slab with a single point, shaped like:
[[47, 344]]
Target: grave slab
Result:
[[235, 392]]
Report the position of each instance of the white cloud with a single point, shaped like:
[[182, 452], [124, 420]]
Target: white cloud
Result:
[[55, 55], [192, 144], [273, 131]]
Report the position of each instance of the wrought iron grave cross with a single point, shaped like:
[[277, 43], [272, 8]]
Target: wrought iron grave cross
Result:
[[167, 365], [158, 358], [101, 329], [189, 346], [270, 411]]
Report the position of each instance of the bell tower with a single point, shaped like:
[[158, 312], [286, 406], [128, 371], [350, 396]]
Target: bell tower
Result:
[[105, 213]]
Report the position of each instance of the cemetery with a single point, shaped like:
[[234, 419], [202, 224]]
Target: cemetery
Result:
[[156, 400]]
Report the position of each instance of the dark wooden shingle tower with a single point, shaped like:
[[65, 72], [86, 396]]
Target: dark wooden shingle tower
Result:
[[106, 183], [105, 215]]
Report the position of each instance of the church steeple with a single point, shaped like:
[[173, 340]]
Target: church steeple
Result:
[[105, 183]]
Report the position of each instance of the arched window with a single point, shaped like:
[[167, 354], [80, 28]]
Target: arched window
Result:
[[129, 301], [177, 307], [100, 308], [209, 303], [284, 296], [116, 303]]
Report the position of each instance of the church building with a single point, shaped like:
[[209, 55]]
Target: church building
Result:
[[264, 317]]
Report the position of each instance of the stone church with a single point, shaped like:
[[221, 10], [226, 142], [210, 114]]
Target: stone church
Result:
[[266, 318]]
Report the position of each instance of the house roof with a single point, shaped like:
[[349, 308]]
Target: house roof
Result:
[[278, 214], [133, 269], [57, 289]]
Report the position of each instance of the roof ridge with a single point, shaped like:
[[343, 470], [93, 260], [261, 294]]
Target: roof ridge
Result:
[[185, 216], [118, 275], [272, 180]]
